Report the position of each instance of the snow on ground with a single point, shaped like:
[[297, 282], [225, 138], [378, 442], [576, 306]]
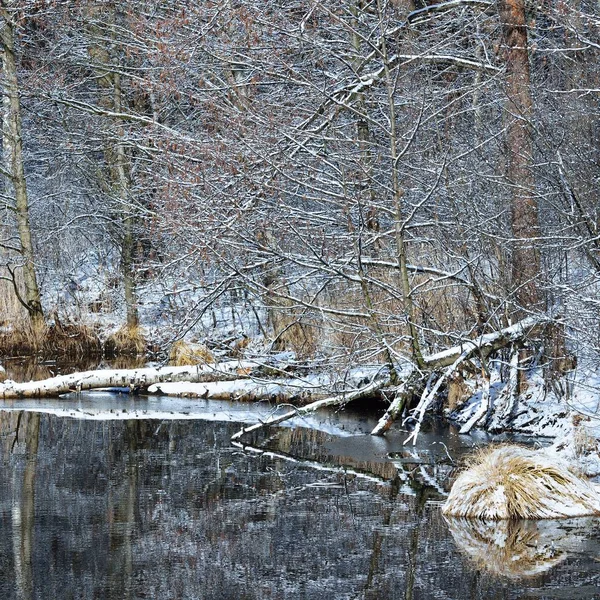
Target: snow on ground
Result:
[[568, 412]]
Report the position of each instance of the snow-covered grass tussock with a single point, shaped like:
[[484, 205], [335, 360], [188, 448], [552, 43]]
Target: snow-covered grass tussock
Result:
[[512, 482]]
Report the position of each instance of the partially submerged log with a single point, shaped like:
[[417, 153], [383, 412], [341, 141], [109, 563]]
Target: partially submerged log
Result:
[[337, 400], [359, 383], [244, 390], [402, 397], [131, 378], [512, 482]]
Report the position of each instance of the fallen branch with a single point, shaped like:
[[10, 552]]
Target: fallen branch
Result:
[[429, 395], [338, 400], [506, 407], [450, 360], [482, 409], [395, 409]]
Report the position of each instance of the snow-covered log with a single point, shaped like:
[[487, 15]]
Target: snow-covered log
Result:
[[131, 378], [512, 482], [247, 390], [338, 400], [487, 344], [395, 409]]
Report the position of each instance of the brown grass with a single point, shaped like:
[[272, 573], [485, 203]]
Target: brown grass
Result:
[[183, 353], [127, 340], [71, 340], [292, 329], [512, 482], [458, 390], [67, 340]]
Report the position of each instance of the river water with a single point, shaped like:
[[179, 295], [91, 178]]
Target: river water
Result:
[[149, 499]]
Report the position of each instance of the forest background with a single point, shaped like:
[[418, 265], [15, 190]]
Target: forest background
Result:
[[358, 182]]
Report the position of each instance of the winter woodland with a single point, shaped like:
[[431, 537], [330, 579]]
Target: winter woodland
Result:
[[406, 189]]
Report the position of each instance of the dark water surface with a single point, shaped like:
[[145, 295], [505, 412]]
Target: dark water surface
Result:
[[168, 508]]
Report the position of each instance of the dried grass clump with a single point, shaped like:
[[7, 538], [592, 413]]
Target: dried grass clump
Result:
[[21, 339], [183, 354], [71, 340], [292, 330], [127, 340], [511, 482], [67, 340]]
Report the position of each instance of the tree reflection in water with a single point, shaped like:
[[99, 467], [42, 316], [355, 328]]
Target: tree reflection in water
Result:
[[151, 509]]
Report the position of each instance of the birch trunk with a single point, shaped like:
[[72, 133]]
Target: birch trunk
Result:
[[13, 160], [132, 378]]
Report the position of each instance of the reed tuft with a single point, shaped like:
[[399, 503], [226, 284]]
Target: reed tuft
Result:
[[512, 482]]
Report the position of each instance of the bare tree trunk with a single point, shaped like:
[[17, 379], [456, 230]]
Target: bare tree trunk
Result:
[[366, 160], [524, 209], [13, 161], [127, 245], [119, 178], [399, 229]]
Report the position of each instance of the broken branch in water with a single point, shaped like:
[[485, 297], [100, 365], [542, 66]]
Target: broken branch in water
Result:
[[338, 400], [450, 360]]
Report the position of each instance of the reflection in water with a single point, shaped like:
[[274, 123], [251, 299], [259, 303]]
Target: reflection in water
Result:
[[23, 510], [517, 548], [122, 503], [169, 509]]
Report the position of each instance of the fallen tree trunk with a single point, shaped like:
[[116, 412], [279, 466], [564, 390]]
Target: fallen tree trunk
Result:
[[245, 385], [487, 344], [131, 378], [338, 400], [246, 390], [450, 360]]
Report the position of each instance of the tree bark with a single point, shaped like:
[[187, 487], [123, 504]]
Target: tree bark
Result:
[[399, 225], [127, 244], [519, 144], [13, 160], [116, 156]]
